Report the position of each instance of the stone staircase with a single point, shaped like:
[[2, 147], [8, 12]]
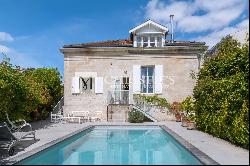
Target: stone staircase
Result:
[[118, 112], [153, 112]]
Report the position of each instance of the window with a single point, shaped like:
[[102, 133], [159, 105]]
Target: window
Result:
[[145, 41], [159, 42], [149, 41], [139, 41], [147, 79], [86, 84], [121, 94], [152, 42]]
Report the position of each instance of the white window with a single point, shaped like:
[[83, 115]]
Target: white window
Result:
[[139, 41], [152, 42], [145, 41], [149, 41], [147, 79], [159, 41]]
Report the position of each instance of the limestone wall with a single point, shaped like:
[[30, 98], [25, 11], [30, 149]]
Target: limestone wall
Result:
[[177, 83]]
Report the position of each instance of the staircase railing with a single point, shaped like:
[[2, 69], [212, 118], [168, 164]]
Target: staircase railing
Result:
[[145, 113], [150, 110], [58, 109]]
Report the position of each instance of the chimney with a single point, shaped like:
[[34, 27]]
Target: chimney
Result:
[[172, 28]]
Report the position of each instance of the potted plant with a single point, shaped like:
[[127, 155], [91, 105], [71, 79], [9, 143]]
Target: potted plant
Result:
[[191, 121], [184, 121], [175, 109], [187, 107]]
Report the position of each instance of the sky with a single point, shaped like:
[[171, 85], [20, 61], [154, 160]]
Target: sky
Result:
[[33, 31]]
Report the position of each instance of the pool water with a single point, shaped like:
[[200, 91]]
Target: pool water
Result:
[[116, 145]]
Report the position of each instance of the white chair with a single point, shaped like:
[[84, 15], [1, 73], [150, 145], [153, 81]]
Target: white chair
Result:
[[97, 116], [71, 118], [83, 114], [56, 117]]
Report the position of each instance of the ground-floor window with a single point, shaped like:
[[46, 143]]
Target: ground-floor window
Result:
[[87, 84], [147, 79], [121, 94]]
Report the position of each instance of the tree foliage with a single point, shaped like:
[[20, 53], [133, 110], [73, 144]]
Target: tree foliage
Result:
[[28, 93], [221, 93]]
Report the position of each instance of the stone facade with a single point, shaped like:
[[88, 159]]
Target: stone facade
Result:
[[116, 62]]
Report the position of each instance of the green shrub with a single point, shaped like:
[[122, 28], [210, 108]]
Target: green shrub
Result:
[[28, 93], [187, 105], [222, 95], [135, 116]]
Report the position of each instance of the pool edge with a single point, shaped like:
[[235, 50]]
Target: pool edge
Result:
[[201, 156], [30, 153]]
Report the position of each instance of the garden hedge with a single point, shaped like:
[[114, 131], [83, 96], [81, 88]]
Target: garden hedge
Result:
[[222, 95]]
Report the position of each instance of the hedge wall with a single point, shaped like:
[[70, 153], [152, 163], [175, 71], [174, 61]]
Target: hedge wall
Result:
[[221, 93]]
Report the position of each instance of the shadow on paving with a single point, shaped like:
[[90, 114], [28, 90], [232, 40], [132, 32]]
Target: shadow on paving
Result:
[[20, 146], [42, 124]]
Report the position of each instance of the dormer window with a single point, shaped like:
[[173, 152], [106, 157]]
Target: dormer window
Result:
[[149, 34]]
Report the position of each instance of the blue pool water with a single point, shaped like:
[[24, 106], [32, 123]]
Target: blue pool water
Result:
[[116, 145]]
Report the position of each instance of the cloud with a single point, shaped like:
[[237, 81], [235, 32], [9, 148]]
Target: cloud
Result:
[[4, 49], [18, 58], [197, 15], [5, 37], [238, 32]]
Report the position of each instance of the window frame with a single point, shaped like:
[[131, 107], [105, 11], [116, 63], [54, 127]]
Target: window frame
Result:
[[147, 80]]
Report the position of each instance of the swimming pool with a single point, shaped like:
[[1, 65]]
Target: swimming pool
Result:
[[115, 145]]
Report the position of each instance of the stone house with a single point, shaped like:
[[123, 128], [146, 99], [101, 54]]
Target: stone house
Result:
[[108, 73]]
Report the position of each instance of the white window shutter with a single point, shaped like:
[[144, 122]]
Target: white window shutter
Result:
[[136, 78], [75, 85], [158, 78], [98, 84]]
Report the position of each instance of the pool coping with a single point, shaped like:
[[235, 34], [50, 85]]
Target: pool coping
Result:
[[30, 153], [201, 156]]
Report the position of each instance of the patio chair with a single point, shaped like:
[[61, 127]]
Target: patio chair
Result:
[[9, 140], [83, 114], [71, 118], [20, 125], [56, 116], [97, 116]]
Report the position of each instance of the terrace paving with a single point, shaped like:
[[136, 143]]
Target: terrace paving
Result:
[[219, 150]]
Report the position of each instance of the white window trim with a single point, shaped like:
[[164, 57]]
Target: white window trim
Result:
[[148, 82]]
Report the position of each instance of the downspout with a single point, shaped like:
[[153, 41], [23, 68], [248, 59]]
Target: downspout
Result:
[[172, 28]]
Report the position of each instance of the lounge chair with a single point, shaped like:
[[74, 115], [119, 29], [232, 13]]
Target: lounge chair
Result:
[[9, 140], [21, 125]]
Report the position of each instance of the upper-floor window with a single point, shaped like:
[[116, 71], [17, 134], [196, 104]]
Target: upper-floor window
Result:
[[148, 41]]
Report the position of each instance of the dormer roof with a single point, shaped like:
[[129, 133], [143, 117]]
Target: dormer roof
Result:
[[149, 22]]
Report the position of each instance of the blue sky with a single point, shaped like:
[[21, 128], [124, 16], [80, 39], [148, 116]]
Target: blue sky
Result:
[[32, 31]]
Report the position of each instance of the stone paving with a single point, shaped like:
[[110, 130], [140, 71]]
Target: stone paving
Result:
[[219, 150]]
